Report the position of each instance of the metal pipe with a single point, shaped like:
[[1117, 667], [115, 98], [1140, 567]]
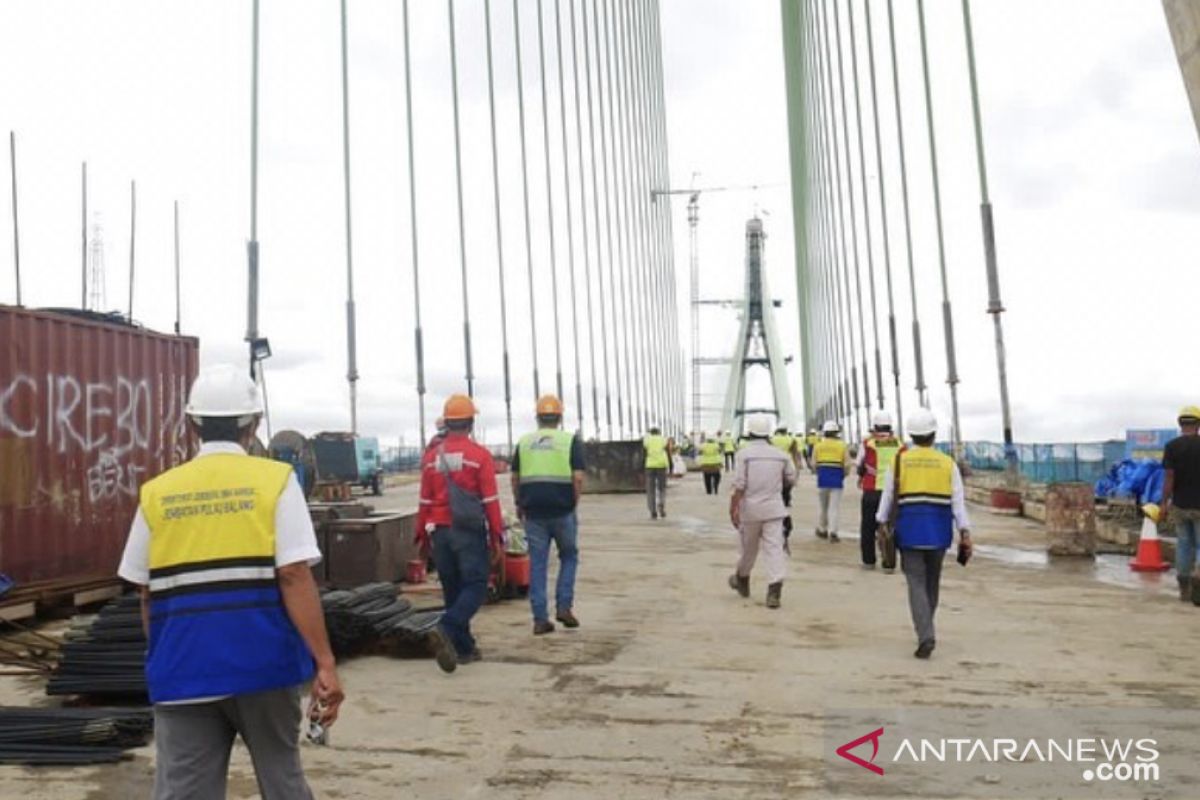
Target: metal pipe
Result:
[[177, 297], [12, 156], [487, 21], [887, 247], [587, 60], [132, 240], [583, 215], [83, 242], [947, 316], [462, 237], [558, 378], [537, 386], [995, 304], [412, 205], [562, 107], [252, 244], [351, 344], [918, 357]]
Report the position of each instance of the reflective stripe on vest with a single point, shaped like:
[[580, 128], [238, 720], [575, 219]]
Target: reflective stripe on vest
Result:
[[656, 452], [925, 518], [217, 621], [545, 456], [710, 454]]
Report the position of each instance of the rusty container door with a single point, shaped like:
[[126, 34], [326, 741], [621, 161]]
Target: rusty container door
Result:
[[89, 411]]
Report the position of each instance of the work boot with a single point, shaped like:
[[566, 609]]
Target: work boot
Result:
[[822, 534], [542, 626], [662, 511], [1195, 584], [653, 515], [773, 592], [568, 619], [1185, 589], [740, 584], [443, 651], [833, 537], [925, 649]]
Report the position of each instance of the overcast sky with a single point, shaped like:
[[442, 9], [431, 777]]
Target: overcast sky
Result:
[[1094, 164]]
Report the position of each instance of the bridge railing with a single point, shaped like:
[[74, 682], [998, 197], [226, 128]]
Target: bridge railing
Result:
[[1047, 463]]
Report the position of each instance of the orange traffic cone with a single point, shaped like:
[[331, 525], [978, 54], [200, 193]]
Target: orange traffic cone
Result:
[[1149, 552]]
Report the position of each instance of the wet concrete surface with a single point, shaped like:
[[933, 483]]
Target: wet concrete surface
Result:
[[675, 687]]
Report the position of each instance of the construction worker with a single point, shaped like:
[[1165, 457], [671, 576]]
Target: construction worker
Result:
[[657, 463], [923, 502], [786, 444], [459, 519], [1181, 495], [810, 442], [872, 465], [728, 449], [547, 479], [710, 463], [832, 461], [222, 548], [756, 509]]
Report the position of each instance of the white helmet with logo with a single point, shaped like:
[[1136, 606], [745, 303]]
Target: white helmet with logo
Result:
[[922, 423], [224, 390], [831, 427]]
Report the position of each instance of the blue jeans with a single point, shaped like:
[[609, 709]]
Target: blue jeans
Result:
[[564, 532], [1186, 533], [462, 564]]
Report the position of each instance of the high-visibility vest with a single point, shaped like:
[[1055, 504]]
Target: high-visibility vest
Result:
[[812, 440], [784, 442], [830, 455], [880, 454], [727, 444], [217, 621], [544, 456], [710, 454], [924, 518], [656, 452]]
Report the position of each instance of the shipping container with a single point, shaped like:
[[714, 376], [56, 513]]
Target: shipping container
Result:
[[90, 409]]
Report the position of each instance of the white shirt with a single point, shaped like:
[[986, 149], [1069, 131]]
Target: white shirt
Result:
[[760, 472], [958, 499], [295, 540]]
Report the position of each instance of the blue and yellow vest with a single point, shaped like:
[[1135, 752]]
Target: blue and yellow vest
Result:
[[830, 455], [217, 621], [547, 487], [924, 519]]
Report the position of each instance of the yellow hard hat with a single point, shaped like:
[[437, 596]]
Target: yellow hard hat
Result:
[[1152, 511], [458, 406], [1190, 413], [549, 405]]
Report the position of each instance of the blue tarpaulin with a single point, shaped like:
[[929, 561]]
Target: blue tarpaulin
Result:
[[1141, 480]]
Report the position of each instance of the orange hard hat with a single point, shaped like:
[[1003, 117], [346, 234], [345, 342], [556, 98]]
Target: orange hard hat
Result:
[[458, 406], [548, 405]]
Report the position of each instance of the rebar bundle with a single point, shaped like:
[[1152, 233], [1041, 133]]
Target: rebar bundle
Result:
[[71, 736]]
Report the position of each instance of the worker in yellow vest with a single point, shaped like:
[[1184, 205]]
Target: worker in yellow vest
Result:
[[728, 449], [657, 462], [874, 462], [547, 480], [222, 549], [810, 442], [710, 463], [832, 466], [786, 444], [923, 502]]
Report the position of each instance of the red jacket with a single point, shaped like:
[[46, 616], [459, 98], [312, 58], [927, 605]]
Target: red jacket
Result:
[[477, 475]]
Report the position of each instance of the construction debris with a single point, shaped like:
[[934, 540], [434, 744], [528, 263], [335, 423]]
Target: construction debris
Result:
[[71, 736]]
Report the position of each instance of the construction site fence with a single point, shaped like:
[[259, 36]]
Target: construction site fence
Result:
[[1046, 463]]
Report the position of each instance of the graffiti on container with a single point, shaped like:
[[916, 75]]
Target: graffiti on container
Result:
[[109, 478], [116, 423]]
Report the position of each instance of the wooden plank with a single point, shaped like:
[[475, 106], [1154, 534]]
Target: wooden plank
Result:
[[90, 596], [18, 610]]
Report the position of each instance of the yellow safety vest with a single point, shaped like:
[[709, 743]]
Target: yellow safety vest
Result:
[[878, 467], [710, 454], [784, 442], [656, 452], [830, 453], [925, 517], [727, 444], [217, 621]]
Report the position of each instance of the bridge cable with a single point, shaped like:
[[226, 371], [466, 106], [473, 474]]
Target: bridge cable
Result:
[[412, 205], [558, 377], [462, 235], [537, 386]]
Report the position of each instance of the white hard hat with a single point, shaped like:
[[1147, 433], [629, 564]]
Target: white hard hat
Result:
[[224, 390], [831, 427], [759, 425], [881, 419], [922, 423]]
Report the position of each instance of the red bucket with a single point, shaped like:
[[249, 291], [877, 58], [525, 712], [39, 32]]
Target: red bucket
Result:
[[416, 571], [516, 570]]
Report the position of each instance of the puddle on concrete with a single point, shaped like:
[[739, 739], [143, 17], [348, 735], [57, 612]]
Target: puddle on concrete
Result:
[[1107, 568]]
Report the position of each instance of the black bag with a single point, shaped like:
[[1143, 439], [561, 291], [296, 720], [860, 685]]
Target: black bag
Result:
[[466, 508]]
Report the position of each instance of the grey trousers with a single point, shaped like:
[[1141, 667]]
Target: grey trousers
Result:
[[656, 490], [923, 570], [830, 502], [193, 741]]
